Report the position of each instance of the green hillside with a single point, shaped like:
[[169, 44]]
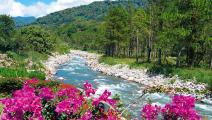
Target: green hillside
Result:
[[94, 11]]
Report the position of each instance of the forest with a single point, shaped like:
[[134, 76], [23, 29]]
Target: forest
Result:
[[168, 37]]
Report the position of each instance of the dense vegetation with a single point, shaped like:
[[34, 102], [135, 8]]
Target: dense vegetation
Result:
[[142, 29], [25, 48], [174, 36], [171, 37], [94, 11]]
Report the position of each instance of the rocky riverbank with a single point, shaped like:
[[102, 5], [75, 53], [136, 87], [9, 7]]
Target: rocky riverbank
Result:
[[164, 84], [54, 61], [159, 83]]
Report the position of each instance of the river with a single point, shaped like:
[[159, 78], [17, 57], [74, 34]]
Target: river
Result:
[[76, 72]]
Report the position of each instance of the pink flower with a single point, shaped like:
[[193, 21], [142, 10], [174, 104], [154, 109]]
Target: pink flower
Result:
[[68, 92], [46, 93], [182, 107], [88, 89], [64, 107], [24, 100], [104, 97], [150, 112]]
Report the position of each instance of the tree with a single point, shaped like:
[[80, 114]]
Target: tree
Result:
[[7, 29], [140, 27], [194, 19], [36, 38], [116, 29]]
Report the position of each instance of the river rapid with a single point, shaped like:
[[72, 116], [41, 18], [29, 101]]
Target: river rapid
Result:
[[76, 72]]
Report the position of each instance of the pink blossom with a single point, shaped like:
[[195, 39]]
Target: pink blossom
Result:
[[181, 107], [88, 89], [104, 97], [46, 93], [150, 112]]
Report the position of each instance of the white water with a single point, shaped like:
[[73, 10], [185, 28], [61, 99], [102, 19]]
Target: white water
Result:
[[76, 73]]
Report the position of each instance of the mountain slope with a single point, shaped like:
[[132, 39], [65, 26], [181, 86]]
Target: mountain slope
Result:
[[22, 21], [94, 11]]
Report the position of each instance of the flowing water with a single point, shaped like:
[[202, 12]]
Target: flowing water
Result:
[[76, 72]]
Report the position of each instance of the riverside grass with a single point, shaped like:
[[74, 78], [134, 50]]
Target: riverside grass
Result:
[[20, 72], [201, 75]]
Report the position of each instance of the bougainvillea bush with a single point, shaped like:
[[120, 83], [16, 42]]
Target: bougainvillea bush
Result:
[[36, 103], [41, 103], [181, 108]]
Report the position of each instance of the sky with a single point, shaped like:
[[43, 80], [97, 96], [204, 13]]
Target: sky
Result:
[[37, 8]]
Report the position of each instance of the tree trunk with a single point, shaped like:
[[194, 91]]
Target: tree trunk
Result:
[[149, 55], [165, 56], [159, 56], [124, 52], [137, 49], [129, 52], [190, 56], [141, 52], [178, 58]]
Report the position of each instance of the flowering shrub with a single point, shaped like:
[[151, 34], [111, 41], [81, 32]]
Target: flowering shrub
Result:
[[41, 103], [68, 103], [150, 112], [181, 108]]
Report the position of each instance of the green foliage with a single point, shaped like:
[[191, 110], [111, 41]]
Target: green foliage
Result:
[[36, 74], [200, 74], [82, 34], [62, 47], [14, 73], [22, 60], [7, 28], [8, 85], [115, 29], [94, 11], [37, 39], [161, 69], [48, 110], [50, 84]]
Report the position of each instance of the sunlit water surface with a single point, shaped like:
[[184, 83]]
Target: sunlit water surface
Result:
[[76, 72]]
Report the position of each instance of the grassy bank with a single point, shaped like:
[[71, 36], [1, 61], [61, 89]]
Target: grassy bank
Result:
[[20, 72], [200, 74]]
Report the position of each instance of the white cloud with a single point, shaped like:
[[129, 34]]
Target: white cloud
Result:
[[14, 8]]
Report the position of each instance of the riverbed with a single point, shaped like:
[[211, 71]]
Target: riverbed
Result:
[[76, 72]]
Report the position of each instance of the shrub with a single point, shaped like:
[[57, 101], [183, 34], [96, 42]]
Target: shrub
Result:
[[36, 38], [8, 85], [36, 74], [161, 69], [181, 108], [69, 103]]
